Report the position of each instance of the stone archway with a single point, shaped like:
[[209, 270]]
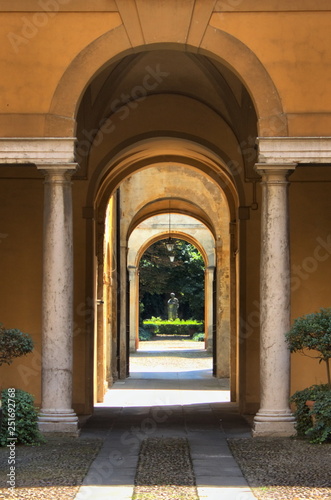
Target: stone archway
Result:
[[114, 45], [112, 167], [225, 261], [149, 232]]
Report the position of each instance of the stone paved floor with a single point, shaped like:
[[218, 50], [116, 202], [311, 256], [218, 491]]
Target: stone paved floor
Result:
[[170, 392]]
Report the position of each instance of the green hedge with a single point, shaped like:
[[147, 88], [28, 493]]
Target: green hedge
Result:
[[314, 423], [150, 327], [19, 418], [176, 327], [144, 334], [199, 337]]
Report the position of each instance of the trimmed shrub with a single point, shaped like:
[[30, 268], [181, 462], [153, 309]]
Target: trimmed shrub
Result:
[[313, 332], [19, 418], [152, 325], [199, 337], [313, 423], [151, 328], [321, 429], [144, 334], [13, 344], [176, 327]]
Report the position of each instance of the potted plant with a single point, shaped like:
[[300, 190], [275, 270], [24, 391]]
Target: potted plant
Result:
[[311, 335]]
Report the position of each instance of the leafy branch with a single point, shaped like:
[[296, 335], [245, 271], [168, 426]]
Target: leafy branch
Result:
[[313, 332], [13, 344]]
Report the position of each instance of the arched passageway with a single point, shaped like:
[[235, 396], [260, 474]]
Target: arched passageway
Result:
[[156, 190], [204, 93], [166, 124], [165, 243]]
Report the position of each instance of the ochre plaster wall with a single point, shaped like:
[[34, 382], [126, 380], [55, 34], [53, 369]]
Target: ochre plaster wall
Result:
[[21, 226], [297, 61], [310, 258], [35, 60]]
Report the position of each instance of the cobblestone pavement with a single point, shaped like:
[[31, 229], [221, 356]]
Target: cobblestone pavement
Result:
[[285, 468], [165, 470], [53, 470], [276, 469]]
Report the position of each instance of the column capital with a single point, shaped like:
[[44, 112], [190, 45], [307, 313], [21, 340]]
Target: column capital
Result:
[[210, 270], [58, 168], [133, 271], [270, 171], [57, 173]]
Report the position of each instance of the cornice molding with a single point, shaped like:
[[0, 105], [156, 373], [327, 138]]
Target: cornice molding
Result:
[[294, 150], [37, 150]]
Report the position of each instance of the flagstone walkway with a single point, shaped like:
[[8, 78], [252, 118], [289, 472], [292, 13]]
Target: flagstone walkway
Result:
[[170, 393]]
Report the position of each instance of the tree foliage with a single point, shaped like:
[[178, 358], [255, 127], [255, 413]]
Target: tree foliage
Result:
[[13, 344], [159, 277], [313, 332]]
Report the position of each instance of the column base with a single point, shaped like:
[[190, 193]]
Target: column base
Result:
[[133, 347], [209, 345], [274, 423], [59, 421]]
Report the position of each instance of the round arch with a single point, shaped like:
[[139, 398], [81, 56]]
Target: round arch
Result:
[[194, 157], [114, 45], [205, 244], [158, 151], [171, 205], [181, 235]]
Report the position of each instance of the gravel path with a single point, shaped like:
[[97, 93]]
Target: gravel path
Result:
[[170, 355], [165, 470], [53, 470], [284, 468]]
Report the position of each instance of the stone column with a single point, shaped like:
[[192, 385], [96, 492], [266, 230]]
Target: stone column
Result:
[[56, 414], [134, 308], [223, 330], [274, 417], [124, 319], [209, 279]]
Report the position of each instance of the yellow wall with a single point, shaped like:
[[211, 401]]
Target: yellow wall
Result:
[[36, 51], [296, 59], [310, 206], [21, 275]]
